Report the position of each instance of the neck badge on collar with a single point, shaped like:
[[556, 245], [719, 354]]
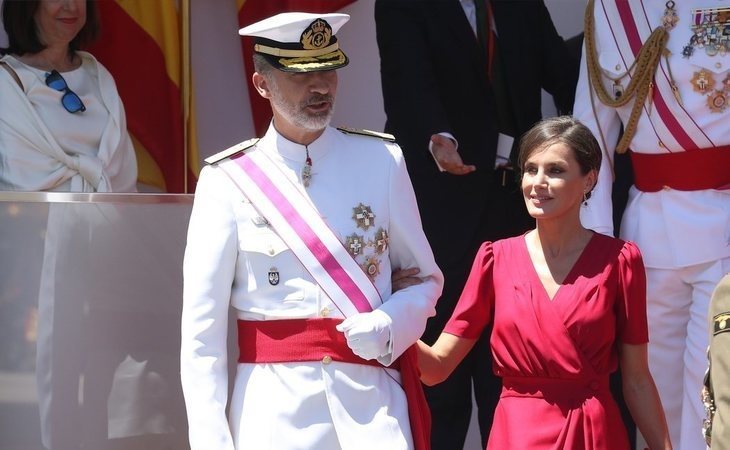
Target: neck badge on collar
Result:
[[306, 174]]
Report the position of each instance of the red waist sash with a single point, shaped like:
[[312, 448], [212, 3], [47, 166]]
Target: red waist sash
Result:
[[684, 171], [292, 340]]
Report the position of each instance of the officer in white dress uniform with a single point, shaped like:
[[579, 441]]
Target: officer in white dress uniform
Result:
[[358, 183], [676, 127]]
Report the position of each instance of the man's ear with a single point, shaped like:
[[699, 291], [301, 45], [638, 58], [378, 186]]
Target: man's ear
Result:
[[261, 85]]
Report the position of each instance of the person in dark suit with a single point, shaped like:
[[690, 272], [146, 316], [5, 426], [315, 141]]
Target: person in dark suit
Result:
[[461, 79]]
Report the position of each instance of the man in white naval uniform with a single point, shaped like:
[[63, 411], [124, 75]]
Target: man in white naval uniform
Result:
[[676, 125], [236, 257]]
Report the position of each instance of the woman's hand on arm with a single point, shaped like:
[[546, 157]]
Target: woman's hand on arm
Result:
[[642, 397], [403, 278], [436, 362]]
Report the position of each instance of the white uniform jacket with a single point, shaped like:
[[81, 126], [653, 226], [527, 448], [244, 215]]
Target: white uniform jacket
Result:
[[229, 255], [672, 228]]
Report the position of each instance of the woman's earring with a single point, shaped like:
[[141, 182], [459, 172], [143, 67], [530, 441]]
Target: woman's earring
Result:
[[585, 198]]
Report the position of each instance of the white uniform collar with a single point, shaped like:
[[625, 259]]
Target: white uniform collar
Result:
[[292, 151]]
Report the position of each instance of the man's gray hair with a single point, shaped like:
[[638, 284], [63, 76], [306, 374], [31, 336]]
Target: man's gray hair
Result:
[[262, 66]]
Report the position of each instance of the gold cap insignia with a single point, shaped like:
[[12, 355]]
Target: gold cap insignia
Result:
[[316, 35]]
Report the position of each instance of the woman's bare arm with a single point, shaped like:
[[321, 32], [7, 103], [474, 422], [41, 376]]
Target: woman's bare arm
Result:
[[436, 362]]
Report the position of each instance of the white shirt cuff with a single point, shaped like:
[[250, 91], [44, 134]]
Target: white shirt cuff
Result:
[[430, 148]]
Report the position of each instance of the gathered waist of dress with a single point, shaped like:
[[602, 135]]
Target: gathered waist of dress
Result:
[[555, 389]]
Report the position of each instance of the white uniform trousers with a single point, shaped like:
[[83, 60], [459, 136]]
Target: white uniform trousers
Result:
[[677, 306]]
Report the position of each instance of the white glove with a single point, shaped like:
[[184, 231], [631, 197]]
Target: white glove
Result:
[[368, 334]]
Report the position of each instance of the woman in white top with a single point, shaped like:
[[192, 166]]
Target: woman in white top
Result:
[[62, 123]]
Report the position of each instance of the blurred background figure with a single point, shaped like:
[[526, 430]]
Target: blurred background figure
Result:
[[461, 80], [62, 123]]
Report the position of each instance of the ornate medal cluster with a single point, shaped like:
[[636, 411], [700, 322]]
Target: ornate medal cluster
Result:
[[711, 33], [357, 244]]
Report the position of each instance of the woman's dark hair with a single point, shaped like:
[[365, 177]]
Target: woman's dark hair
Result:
[[565, 130], [19, 23]]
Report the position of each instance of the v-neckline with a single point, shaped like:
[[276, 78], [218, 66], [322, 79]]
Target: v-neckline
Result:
[[569, 278]]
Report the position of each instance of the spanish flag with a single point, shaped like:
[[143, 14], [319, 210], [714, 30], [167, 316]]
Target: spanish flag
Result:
[[141, 44], [250, 11]]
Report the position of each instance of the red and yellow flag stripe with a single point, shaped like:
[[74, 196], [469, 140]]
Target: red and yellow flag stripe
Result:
[[141, 46]]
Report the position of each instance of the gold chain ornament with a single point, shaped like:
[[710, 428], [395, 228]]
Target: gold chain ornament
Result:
[[644, 69]]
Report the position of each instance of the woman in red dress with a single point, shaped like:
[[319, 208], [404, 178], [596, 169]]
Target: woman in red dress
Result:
[[568, 308]]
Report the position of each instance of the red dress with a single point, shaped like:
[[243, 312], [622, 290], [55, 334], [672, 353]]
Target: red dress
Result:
[[555, 356]]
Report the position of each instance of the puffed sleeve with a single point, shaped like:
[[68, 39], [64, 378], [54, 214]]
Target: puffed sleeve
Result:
[[474, 310], [208, 271], [631, 302]]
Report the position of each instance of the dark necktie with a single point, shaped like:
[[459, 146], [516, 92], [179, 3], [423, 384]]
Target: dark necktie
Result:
[[489, 41]]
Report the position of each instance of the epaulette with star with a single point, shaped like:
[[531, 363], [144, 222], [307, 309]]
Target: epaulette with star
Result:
[[377, 134], [230, 151]]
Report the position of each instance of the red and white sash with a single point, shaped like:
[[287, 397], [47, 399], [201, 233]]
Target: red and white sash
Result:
[[630, 26], [304, 231]]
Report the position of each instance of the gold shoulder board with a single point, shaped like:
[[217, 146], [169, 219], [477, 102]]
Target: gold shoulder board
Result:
[[230, 151], [377, 134]]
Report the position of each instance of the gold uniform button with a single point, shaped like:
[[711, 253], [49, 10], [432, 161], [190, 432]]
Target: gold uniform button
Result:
[[618, 66], [325, 312], [718, 65], [666, 188], [271, 251], [327, 359]]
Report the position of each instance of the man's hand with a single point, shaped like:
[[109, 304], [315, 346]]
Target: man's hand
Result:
[[367, 334], [444, 152], [403, 278]]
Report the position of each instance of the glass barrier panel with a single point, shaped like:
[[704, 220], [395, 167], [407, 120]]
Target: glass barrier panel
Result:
[[90, 302]]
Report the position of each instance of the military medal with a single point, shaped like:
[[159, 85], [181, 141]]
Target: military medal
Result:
[[306, 174], [717, 101], [670, 17], [710, 31], [363, 216], [702, 81], [354, 244], [371, 267], [381, 240], [273, 276]]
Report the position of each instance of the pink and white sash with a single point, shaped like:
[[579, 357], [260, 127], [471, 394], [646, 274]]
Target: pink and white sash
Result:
[[301, 227]]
